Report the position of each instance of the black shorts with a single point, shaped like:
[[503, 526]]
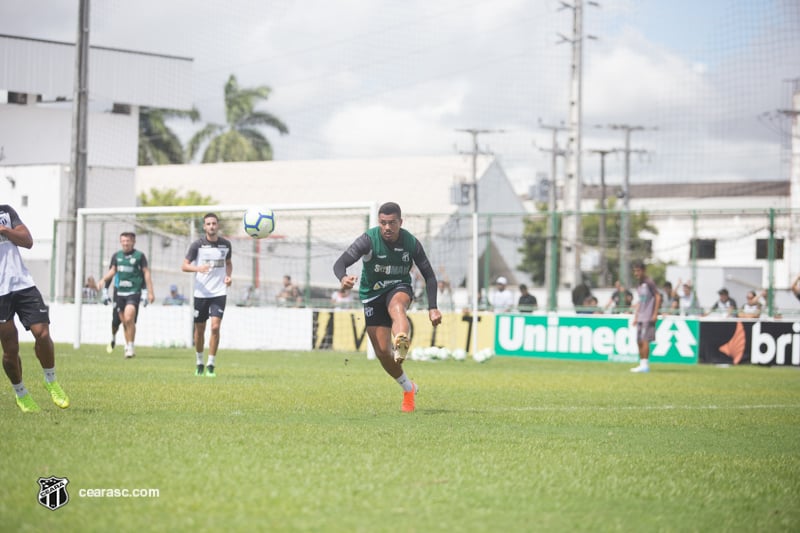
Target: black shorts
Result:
[[206, 307], [376, 312], [27, 304], [121, 302]]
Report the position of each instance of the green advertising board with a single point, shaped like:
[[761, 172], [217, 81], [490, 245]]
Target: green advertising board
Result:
[[593, 338]]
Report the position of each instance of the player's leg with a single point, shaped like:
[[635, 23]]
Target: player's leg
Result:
[[379, 330], [115, 323], [642, 339], [129, 312], [213, 345], [35, 316], [12, 365], [216, 308], [399, 301], [45, 352]]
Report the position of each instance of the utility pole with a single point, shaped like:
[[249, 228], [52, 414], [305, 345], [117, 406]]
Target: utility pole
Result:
[[474, 278], [624, 244], [551, 265], [77, 189], [601, 230], [570, 264]]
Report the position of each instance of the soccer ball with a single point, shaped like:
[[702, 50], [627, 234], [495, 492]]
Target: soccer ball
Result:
[[259, 222]]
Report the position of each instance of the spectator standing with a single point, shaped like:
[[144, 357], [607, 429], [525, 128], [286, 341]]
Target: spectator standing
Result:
[[502, 300], [290, 294], [687, 300], [752, 306], [725, 306], [527, 302]]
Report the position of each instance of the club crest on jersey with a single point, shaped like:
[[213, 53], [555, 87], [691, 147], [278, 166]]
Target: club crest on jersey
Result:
[[53, 492], [406, 257]]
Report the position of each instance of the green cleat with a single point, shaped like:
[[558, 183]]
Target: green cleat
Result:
[[58, 395], [27, 405], [199, 371], [210, 372]]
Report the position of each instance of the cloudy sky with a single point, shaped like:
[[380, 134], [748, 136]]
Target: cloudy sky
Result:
[[371, 78]]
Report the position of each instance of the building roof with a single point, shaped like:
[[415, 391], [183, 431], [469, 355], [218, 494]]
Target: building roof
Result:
[[696, 190], [45, 67], [418, 184]]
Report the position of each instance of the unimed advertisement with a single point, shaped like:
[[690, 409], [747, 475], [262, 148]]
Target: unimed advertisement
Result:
[[593, 338]]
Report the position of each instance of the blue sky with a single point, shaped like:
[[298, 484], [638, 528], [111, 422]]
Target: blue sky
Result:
[[371, 78]]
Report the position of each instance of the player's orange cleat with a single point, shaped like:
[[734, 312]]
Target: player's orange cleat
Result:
[[400, 344], [408, 399]]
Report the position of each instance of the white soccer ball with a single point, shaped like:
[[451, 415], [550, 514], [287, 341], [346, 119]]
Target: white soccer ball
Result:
[[259, 222]]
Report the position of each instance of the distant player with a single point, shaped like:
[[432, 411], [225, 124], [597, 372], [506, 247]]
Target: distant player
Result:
[[210, 258], [131, 275], [645, 314], [387, 252], [19, 296]]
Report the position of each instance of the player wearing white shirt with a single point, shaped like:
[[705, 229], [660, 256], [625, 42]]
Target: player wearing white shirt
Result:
[[19, 296], [209, 257]]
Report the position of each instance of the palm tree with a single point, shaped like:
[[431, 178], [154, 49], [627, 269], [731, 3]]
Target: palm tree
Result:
[[239, 139], [158, 144]]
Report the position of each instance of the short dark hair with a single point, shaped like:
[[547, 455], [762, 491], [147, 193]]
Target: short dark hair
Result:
[[210, 215], [523, 287], [390, 208], [638, 263], [130, 234]]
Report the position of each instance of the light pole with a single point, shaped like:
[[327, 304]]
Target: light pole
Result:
[[474, 263]]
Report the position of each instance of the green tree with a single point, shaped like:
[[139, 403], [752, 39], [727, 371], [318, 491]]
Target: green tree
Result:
[[178, 224], [535, 242], [158, 144], [534, 248], [239, 139]]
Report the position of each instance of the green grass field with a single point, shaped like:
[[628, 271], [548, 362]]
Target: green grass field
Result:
[[314, 442]]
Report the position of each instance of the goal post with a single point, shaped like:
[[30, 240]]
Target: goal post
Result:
[[306, 241]]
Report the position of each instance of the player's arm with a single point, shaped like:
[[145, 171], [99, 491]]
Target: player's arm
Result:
[[190, 261], [657, 306], [361, 247], [228, 272], [148, 282], [431, 285], [19, 235], [105, 281]]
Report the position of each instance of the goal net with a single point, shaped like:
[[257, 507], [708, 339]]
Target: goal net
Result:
[[306, 242]]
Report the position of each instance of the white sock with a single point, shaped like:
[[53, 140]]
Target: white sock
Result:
[[405, 383], [211, 359], [644, 363], [199, 356], [49, 374], [20, 389]]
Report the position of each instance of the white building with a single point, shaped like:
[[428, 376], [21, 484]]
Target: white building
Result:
[[37, 84]]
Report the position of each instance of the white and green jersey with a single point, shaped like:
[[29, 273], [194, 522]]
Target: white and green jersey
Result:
[[14, 276], [386, 265], [216, 255], [129, 278]]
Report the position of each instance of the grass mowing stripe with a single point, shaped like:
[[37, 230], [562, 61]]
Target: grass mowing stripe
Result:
[[315, 442]]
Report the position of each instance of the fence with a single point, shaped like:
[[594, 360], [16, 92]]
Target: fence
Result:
[[740, 250]]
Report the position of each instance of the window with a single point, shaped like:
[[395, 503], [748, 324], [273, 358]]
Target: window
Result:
[[704, 248], [762, 250]]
